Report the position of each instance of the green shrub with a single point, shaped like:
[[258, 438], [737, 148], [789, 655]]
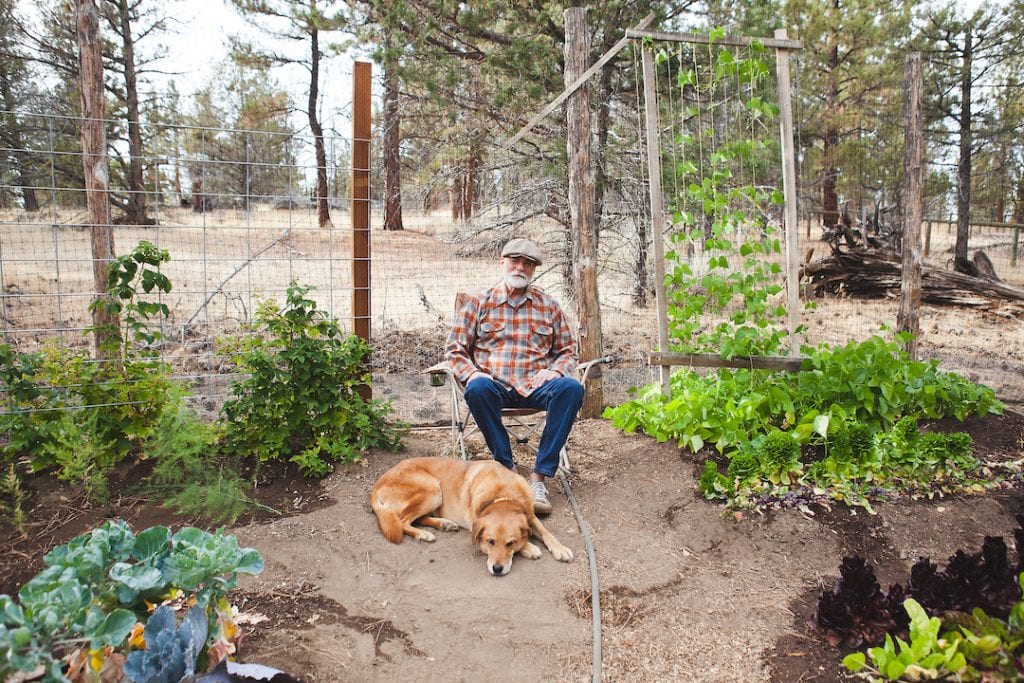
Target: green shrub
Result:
[[780, 456], [743, 466], [300, 398], [79, 418]]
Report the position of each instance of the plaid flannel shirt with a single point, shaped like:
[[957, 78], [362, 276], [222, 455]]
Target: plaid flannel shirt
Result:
[[510, 340]]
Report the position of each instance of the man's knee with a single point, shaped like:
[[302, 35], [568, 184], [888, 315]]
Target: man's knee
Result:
[[570, 389], [479, 389]]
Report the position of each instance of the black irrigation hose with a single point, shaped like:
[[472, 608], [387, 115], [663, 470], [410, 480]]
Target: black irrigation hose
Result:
[[595, 586]]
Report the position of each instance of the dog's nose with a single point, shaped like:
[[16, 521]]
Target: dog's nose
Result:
[[498, 570]]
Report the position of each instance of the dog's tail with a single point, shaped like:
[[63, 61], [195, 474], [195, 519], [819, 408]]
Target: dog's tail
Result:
[[389, 521]]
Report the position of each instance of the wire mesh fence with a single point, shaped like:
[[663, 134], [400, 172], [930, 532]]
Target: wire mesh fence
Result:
[[239, 225]]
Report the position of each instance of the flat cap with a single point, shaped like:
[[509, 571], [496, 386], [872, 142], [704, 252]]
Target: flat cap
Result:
[[524, 248]]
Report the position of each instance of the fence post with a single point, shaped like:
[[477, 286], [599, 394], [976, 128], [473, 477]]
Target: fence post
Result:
[[910, 289], [789, 192], [581, 204], [94, 164], [657, 211], [360, 212], [1013, 251]]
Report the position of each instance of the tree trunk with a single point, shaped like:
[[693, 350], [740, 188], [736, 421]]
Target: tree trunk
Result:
[[136, 207], [457, 196], [602, 122], [1018, 203], [13, 140], [909, 316], [830, 141], [323, 210], [94, 161], [581, 205], [469, 184], [640, 271], [963, 169], [392, 143]]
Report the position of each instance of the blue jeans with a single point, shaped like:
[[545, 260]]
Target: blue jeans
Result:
[[561, 398]]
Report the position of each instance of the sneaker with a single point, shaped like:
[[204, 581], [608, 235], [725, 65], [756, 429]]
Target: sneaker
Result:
[[541, 502]]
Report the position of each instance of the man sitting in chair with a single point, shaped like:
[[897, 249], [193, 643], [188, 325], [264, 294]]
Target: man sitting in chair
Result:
[[511, 347]]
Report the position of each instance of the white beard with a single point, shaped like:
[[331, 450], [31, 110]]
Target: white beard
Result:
[[514, 281]]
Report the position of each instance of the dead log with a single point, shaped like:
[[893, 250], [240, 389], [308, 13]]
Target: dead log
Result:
[[870, 275]]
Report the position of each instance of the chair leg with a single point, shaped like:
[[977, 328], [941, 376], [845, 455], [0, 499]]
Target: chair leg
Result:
[[563, 462]]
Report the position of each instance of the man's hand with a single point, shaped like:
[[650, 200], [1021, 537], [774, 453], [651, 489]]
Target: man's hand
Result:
[[542, 377]]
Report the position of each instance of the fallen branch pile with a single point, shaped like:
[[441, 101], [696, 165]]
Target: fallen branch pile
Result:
[[877, 274]]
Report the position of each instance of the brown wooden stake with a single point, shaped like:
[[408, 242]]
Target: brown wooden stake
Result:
[[360, 210], [913, 203], [94, 162], [581, 205]]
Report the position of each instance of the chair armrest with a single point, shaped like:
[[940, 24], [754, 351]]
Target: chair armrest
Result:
[[584, 369], [439, 373]]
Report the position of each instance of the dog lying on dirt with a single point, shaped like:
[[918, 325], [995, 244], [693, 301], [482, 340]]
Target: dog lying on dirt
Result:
[[493, 502]]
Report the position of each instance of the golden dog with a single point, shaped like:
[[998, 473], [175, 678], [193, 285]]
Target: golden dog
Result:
[[494, 503]]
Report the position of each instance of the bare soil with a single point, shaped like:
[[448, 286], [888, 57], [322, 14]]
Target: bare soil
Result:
[[687, 593]]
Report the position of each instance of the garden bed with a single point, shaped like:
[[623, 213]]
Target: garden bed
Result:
[[688, 593]]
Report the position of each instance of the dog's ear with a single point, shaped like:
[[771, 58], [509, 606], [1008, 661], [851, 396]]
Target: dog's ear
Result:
[[478, 531]]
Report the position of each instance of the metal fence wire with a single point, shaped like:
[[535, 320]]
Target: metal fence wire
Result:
[[233, 209]]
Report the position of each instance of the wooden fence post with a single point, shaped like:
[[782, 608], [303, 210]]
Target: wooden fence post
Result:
[[789, 191], [94, 162], [360, 212], [581, 205], [657, 210], [913, 202]]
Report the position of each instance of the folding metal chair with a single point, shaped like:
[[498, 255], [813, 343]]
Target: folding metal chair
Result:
[[522, 424]]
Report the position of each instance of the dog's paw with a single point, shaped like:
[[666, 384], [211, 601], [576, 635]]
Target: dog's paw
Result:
[[561, 553], [447, 525], [423, 535], [531, 552]]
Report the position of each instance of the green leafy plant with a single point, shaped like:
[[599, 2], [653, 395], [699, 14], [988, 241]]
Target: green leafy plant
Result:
[[99, 586], [963, 647], [189, 474], [80, 415], [925, 657], [126, 276], [713, 484], [171, 649], [844, 401], [723, 274], [300, 399], [12, 496]]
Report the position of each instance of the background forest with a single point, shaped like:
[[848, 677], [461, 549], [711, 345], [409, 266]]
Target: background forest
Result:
[[459, 78]]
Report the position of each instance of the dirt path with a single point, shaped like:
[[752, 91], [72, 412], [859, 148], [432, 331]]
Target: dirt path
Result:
[[686, 593]]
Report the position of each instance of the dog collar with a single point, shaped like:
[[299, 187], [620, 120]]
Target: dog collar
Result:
[[503, 499]]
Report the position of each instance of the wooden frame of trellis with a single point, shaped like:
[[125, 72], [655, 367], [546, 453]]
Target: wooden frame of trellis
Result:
[[663, 359]]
